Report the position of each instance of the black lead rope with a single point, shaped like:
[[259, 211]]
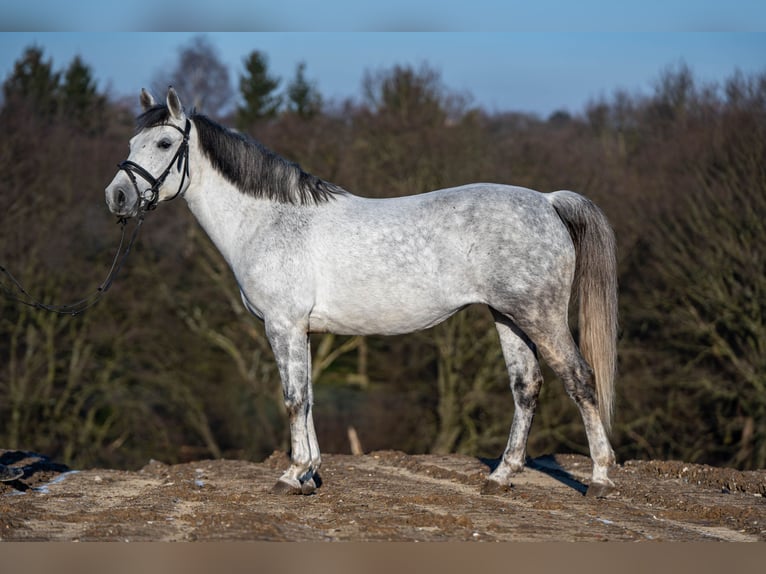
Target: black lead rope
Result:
[[78, 307]]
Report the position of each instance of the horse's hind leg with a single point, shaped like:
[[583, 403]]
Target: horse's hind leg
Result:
[[526, 380], [562, 355]]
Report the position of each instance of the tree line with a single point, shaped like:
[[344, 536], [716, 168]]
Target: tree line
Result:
[[170, 366]]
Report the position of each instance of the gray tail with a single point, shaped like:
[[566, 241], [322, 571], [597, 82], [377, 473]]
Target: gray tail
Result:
[[595, 286]]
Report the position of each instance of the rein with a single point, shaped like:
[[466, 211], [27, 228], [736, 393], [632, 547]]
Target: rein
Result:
[[148, 201], [78, 307]]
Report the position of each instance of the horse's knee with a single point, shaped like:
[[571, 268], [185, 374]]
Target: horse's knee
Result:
[[296, 403]]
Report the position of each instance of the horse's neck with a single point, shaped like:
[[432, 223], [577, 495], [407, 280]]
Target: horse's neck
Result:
[[229, 217]]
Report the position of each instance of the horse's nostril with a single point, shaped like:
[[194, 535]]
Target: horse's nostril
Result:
[[121, 198]]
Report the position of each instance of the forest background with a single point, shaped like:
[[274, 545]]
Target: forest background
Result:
[[170, 366]]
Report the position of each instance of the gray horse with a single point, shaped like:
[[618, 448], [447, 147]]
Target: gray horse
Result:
[[310, 257]]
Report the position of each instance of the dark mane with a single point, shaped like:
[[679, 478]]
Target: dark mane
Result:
[[251, 167]]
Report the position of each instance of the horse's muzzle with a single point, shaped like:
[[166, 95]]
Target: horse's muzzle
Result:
[[122, 199]]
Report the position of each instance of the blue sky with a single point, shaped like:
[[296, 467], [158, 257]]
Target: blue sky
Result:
[[390, 15], [535, 57]]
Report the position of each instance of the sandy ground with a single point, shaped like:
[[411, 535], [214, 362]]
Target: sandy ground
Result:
[[387, 496]]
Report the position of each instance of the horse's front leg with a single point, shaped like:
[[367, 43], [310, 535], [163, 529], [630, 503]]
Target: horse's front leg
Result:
[[291, 349]]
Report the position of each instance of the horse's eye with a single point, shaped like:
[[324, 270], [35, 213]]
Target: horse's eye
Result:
[[164, 144]]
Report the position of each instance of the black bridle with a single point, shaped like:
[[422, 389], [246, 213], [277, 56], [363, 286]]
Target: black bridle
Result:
[[148, 201], [149, 198]]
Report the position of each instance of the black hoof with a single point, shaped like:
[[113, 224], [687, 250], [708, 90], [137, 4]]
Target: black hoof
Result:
[[494, 487], [600, 490], [308, 487], [282, 487]]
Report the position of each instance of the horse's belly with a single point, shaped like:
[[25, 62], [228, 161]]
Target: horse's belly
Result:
[[380, 315]]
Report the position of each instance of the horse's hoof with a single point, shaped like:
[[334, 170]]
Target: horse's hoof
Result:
[[308, 487], [284, 487], [494, 487], [600, 490]]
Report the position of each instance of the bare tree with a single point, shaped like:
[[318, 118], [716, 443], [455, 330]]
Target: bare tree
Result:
[[200, 76]]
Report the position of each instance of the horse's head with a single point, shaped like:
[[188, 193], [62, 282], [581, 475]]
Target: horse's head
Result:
[[157, 168]]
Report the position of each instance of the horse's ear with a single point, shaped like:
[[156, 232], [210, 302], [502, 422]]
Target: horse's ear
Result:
[[147, 100], [174, 105]]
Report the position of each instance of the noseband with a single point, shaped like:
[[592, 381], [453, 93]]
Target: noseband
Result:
[[150, 197]]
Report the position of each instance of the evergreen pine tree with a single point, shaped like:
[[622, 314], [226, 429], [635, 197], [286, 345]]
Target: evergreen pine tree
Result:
[[303, 98], [257, 89], [32, 83], [79, 98]]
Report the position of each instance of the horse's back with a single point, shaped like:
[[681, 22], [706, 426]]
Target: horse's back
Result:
[[450, 230]]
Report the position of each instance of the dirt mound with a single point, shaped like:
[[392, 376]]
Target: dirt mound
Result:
[[380, 496]]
